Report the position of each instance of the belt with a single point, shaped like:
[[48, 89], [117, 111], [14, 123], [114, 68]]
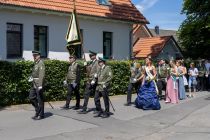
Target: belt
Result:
[[101, 83]]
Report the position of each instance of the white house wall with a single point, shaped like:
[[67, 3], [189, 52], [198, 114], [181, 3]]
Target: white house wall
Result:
[[57, 27]]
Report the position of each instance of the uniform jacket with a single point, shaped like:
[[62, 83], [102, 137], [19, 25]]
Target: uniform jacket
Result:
[[38, 73], [104, 77], [135, 74], [73, 75], [162, 71], [93, 69]]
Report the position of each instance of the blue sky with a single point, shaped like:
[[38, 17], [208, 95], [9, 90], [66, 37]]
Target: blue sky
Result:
[[164, 13]]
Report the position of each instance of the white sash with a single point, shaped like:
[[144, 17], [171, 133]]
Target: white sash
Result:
[[149, 74]]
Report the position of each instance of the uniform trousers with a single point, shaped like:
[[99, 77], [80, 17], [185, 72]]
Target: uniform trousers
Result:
[[72, 90], [105, 96], [37, 100], [161, 84], [89, 90], [130, 88]]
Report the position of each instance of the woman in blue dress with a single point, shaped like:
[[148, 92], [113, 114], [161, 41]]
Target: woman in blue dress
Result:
[[181, 72], [147, 98]]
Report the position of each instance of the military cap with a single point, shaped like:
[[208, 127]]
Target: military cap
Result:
[[36, 52], [101, 59], [92, 53]]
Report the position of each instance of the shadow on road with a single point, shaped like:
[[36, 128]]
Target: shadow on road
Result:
[[208, 98], [2, 108], [48, 114]]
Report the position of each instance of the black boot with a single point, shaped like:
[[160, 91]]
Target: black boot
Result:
[[83, 111], [65, 106], [105, 115], [100, 113]]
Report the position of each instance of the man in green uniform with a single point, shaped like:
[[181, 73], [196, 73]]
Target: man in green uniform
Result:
[[72, 81], [36, 91], [92, 70], [162, 74], [135, 80], [104, 79]]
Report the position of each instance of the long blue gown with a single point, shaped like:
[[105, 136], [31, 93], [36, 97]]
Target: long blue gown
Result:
[[147, 98], [181, 88]]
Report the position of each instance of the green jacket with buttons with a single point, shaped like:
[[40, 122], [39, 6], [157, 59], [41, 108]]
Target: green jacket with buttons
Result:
[[93, 69], [105, 76], [38, 73], [73, 75]]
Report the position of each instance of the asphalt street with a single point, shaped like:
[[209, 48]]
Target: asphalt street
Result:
[[188, 120]]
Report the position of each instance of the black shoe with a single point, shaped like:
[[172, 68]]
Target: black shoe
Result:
[[34, 117], [39, 118], [76, 107], [83, 111], [96, 111], [127, 104], [105, 115], [65, 107], [98, 115]]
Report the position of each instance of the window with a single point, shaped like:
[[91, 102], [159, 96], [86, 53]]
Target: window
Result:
[[78, 48], [107, 44], [103, 2], [41, 40], [14, 40]]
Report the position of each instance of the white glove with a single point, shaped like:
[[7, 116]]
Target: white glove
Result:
[[104, 86], [39, 88], [65, 83], [147, 78], [85, 63], [134, 79], [92, 82], [30, 79], [95, 75], [74, 84]]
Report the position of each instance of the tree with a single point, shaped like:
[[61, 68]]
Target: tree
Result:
[[194, 32]]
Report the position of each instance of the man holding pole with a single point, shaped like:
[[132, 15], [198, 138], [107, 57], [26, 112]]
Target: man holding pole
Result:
[[92, 70], [72, 81], [36, 91]]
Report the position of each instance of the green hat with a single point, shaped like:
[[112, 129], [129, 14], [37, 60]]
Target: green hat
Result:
[[102, 59], [92, 53], [36, 52]]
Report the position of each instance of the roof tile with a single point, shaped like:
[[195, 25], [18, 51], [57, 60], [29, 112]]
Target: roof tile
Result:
[[119, 9], [150, 46]]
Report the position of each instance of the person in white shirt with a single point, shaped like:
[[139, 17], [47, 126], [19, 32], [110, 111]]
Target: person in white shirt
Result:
[[193, 73]]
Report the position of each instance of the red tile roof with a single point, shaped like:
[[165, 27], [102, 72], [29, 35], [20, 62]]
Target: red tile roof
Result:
[[119, 9], [150, 46]]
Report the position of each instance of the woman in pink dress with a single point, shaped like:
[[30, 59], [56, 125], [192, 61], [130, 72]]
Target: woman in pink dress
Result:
[[172, 85]]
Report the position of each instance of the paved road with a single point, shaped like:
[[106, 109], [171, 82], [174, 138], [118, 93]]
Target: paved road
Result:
[[190, 119]]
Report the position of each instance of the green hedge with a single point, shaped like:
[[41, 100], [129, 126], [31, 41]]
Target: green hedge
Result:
[[14, 86]]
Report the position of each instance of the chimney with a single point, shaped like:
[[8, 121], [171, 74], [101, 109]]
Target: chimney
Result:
[[157, 30]]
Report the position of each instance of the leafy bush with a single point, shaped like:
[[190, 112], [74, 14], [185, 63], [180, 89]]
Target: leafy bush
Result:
[[14, 86]]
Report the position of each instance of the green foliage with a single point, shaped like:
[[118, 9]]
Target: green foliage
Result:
[[194, 31], [13, 82], [15, 87]]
